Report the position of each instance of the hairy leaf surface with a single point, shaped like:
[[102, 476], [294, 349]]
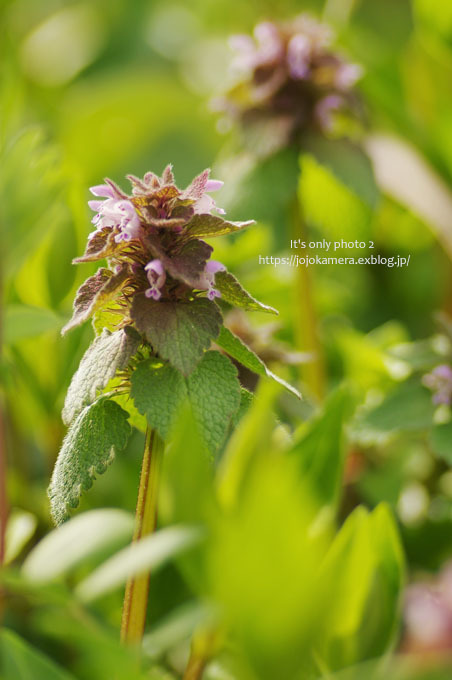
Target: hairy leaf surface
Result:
[[237, 349], [178, 331], [232, 292], [206, 226], [107, 354], [158, 391], [97, 433], [94, 293], [214, 392]]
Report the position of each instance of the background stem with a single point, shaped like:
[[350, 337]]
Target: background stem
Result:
[[306, 324], [137, 589]]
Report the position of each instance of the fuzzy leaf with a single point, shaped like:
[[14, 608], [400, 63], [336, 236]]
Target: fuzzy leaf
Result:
[[158, 391], [244, 355], [232, 292], [206, 226], [101, 245], [89, 447], [189, 262], [214, 392], [108, 353], [246, 400], [178, 331], [94, 293]]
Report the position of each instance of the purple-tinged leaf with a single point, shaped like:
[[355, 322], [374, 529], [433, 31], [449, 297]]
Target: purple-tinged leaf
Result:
[[232, 292], [101, 245], [237, 349], [206, 226], [94, 293], [178, 331]]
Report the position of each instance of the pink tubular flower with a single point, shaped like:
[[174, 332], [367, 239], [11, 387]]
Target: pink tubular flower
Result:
[[156, 277], [440, 382], [114, 213], [206, 203], [207, 278]]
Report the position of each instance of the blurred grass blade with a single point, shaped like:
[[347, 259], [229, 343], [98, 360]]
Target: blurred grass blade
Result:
[[148, 553], [20, 661], [20, 528], [75, 541], [252, 434], [320, 449], [24, 321]]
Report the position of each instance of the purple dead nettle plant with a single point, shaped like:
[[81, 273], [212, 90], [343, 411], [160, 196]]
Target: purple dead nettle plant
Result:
[[290, 80], [156, 314], [291, 87], [439, 381]]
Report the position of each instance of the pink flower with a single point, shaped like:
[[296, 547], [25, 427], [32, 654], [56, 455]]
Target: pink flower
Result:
[[156, 277], [206, 203], [207, 278], [440, 382], [115, 213]]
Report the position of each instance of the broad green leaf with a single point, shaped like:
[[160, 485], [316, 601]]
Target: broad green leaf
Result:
[[262, 576], [109, 353], [148, 553], [94, 294], [237, 349], [214, 393], [23, 321], [82, 537], [178, 331], [408, 407], [206, 226], [98, 432], [20, 528], [248, 440], [232, 292], [158, 391], [246, 399], [348, 163], [361, 578], [320, 449], [441, 441], [20, 661], [330, 204]]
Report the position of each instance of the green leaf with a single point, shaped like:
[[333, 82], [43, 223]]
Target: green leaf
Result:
[[109, 353], [178, 331], [82, 537], [20, 528], [89, 447], [158, 391], [246, 399], [408, 407], [232, 292], [441, 441], [148, 553], [21, 661], [237, 349], [214, 392], [330, 204], [206, 226], [320, 450], [361, 579], [94, 293], [23, 321]]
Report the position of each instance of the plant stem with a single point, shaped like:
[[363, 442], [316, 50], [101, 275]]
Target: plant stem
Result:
[[306, 324], [137, 589], [205, 643]]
